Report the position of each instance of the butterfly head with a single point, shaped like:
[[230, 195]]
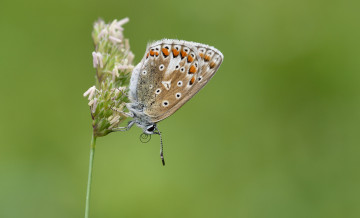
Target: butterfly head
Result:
[[147, 127], [150, 129]]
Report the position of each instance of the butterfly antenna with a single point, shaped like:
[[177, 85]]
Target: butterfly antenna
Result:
[[161, 147]]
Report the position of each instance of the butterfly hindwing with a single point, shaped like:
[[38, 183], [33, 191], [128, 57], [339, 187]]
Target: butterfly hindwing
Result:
[[171, 73]]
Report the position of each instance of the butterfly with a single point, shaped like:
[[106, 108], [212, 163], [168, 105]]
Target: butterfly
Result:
[[170, 74]]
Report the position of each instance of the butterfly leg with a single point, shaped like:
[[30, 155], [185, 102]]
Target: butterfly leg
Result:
[[122, 92], [130, 114], [123, 129]]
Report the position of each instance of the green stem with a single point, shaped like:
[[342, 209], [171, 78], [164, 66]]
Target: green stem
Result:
[[91, 163]]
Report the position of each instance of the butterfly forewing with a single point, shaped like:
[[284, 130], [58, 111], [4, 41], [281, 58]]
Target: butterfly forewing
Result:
[[171, 73]]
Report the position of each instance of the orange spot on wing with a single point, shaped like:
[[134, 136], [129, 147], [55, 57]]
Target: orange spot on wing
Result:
[[192, 69], [207, 58], [183, 53], [147, 55], [165, 52], [190, 59], [152, 53], [192, 80], [201, 55], [175, 52], [212, 65], [157, 53]]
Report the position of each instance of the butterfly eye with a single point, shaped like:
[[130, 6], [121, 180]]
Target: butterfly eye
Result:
[[196, 64], [161, 67], [178, 95], [157, 91], [165, 103], [180, 83], [200, 78], [202, 50], [144, 72], [177, 67], [182, 69], [167, 47], [186, 50], [151, 128]]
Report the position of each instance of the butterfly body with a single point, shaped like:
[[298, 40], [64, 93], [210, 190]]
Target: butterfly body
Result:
[[170, 73]]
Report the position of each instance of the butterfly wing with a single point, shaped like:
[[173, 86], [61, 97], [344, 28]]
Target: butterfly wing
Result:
[[171, 73]]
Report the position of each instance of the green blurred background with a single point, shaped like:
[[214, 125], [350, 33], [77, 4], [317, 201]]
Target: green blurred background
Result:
[[274, 134]]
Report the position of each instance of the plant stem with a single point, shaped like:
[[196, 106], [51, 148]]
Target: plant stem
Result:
[[91, 163]]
